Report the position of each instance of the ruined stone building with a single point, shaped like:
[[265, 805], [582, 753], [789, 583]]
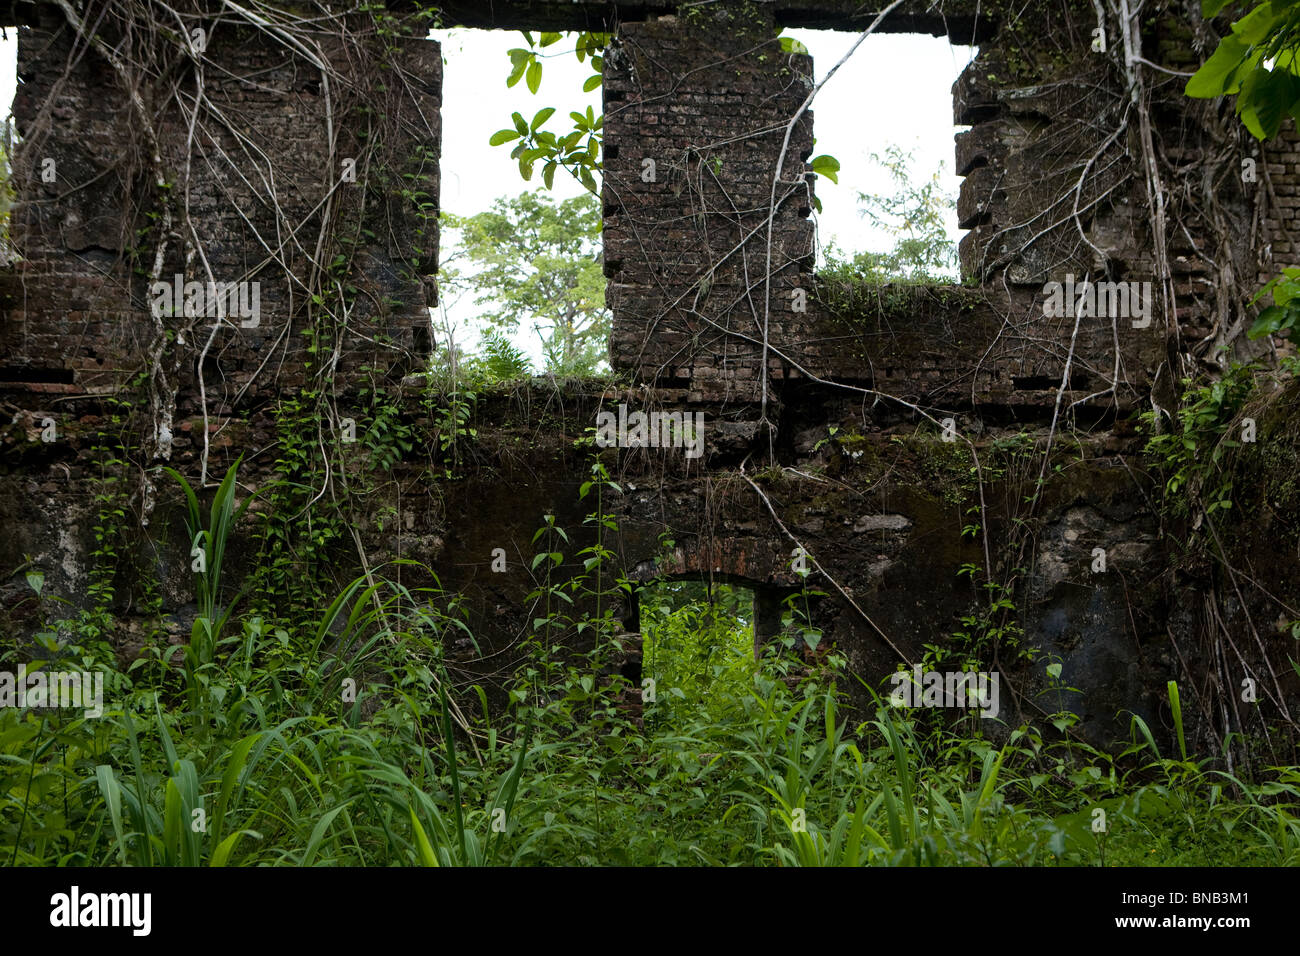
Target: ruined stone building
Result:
[[892, 436]]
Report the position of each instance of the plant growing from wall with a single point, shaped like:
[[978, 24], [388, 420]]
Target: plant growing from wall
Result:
[[577, 150], [110, 498], [207, 552], [1192, 454], [296, 538], [7, 252]]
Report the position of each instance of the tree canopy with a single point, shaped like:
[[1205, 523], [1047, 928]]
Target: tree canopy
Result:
[[533, 260]]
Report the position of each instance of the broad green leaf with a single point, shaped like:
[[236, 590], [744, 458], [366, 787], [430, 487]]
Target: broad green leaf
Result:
[[542, 116], [827, 166], [1215, 77], [112, 792], [519, 60], [1271, 96], [1254, 26], [1269, 321], [221, 855]]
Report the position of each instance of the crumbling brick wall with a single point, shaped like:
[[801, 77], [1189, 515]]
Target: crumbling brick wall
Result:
[[250, 187], [705, 240], [713, 288], [704, 282]]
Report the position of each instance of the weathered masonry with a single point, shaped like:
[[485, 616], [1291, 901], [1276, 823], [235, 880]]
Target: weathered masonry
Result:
[[923, 446]]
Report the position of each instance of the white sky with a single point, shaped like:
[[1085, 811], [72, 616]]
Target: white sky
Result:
[[897, 88], [8, 67]]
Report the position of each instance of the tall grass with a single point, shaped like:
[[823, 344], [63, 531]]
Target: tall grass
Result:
[[255, 753]]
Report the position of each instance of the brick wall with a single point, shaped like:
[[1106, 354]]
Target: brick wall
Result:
[[695, 120], [249, 187]]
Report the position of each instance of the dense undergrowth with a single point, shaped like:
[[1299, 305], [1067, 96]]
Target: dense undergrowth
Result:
[[340, 741]]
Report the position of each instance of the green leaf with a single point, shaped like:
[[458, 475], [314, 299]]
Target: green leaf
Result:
[[1214, 78], [503, 136], [222, 853], [519, 60], [534, 76], [593, 82], [542, 116], [112, 792], [827, 166], [1259, 23], [1285, 292], [427, 856], [1271, 320], [318, 834], [521, 124], [1268, 97]]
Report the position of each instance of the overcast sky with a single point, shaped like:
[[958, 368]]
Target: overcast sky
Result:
[[8, 66], [897, 88]]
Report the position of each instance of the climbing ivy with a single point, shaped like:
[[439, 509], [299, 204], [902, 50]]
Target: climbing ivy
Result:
[[1192, 454]]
